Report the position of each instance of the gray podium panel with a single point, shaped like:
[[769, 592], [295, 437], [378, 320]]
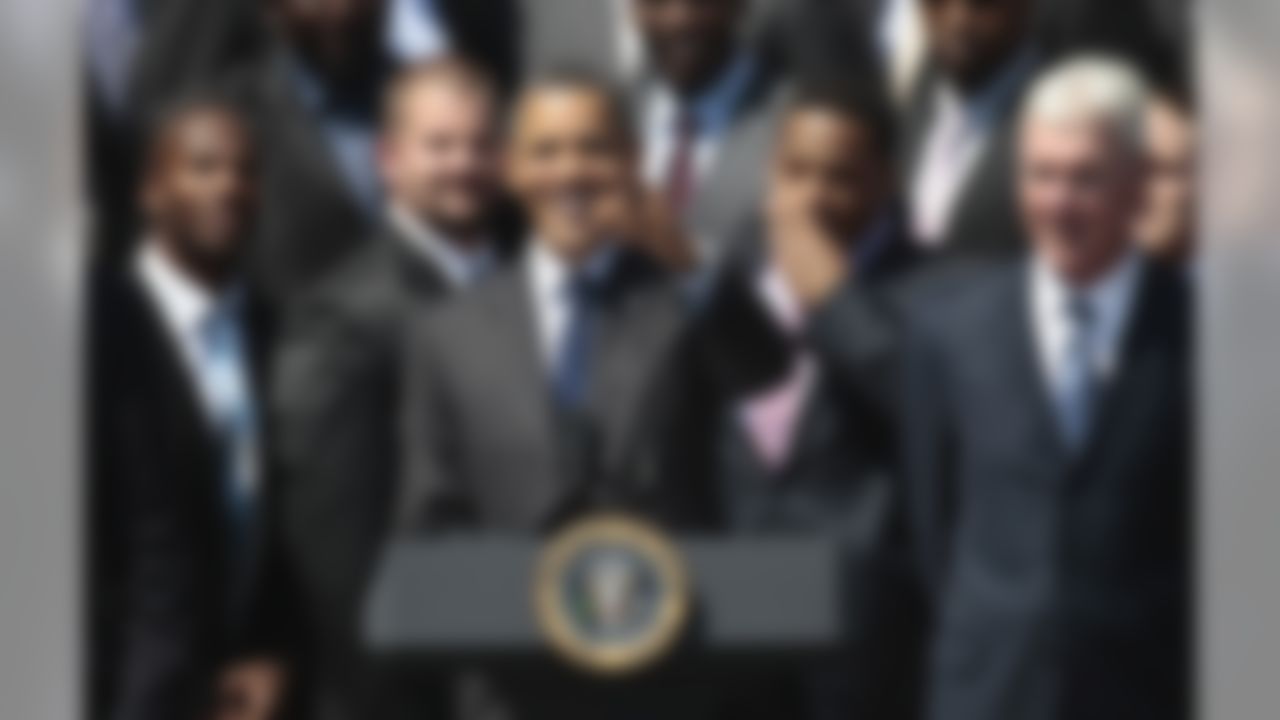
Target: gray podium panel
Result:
[[472, 597]]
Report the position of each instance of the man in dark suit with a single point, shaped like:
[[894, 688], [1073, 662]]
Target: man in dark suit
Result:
[[706, 108], [957, 153], [184, 576], [538, 396], [803, 453], [337, 386], [1048, 417]]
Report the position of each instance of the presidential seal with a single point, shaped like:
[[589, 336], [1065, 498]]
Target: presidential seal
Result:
[[611, 595]]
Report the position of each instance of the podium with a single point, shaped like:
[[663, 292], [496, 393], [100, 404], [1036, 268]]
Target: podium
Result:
[[457, 600]]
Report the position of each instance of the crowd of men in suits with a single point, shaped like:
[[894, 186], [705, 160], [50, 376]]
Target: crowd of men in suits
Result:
[[911, 274]]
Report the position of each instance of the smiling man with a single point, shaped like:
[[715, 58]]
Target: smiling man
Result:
[[542, 370], [1048, 419], [538, 396]]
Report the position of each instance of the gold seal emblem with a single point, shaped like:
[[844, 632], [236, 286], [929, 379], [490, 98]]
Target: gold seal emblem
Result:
[[611, 594]]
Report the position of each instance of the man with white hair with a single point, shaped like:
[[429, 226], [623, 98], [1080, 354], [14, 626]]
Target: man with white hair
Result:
[[1047, 421]]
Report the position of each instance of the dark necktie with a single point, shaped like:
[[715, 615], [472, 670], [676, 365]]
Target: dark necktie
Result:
[[681, 170], [573, 372]]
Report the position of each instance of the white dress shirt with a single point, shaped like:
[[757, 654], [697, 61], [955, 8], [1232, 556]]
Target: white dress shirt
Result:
[[1110, 302], [549, 276], [461, 264], [958, 135], [209, 334], [714, 110]]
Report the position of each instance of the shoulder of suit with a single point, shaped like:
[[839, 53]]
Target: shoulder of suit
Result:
[[952, 301], [359, 290]]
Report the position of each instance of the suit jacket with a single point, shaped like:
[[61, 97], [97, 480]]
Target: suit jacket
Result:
[[486, 449], [1060, 582], [726, 200], [985, 220], [1154, 34], [311, 217], [336, 400], [163, 616], [488, 33], [556, 34], [839, 481]]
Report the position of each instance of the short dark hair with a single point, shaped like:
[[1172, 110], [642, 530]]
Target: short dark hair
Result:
[[865, 103], [164, 118], [576, 77]]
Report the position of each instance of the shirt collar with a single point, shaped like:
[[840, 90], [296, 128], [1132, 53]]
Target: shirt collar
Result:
[[185, 304], [551, 273], [716, 106], [1110, 298], [460, 264]]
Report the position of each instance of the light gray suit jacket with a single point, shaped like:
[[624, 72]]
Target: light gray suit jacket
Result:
[[485, 445], [727, 200]]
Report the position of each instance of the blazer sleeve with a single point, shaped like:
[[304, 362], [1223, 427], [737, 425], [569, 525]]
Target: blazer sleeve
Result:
[[155, 666], [857, 334], [430, 495]]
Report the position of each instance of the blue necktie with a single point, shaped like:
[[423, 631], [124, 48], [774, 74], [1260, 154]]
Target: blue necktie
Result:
[[573, 372], [1080, 387], [225, 376]]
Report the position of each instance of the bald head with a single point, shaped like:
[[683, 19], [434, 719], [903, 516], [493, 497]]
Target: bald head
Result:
[[438, 154], [199, 189]]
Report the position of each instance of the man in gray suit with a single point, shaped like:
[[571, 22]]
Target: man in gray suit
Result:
[[338, 369], [542, 394], [524, 396]]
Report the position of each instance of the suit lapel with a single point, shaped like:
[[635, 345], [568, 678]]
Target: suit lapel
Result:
[[635, 335], [513, 324], [735, 175], [1020, 368], [418, 277]]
